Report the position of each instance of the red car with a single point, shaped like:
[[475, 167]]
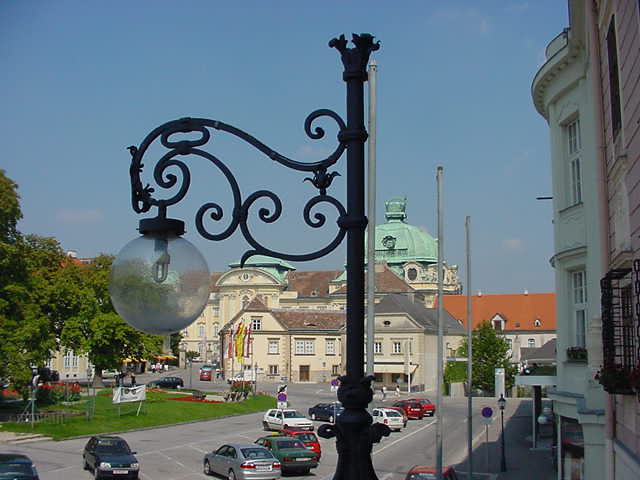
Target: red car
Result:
[[428, 408], [309, 440], [205, 375], [422, 472], [411, 409]]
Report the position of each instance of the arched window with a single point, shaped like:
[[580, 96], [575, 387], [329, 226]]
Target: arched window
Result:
[[412, 274], [532, 343]]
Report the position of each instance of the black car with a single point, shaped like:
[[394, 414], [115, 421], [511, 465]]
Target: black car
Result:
[[110, 457], [326, 411], [167, 382], [15, 466]]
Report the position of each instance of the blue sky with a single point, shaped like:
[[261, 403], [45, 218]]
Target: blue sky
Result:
[[82, 80]]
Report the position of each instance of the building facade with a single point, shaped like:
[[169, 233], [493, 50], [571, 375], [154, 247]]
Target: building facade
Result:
[[563, 93], [588, 92], [524, 320]]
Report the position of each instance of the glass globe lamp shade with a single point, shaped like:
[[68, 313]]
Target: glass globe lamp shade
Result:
[[159, 283]]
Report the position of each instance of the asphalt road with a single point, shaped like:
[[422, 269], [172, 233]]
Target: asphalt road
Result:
[[177, 452]]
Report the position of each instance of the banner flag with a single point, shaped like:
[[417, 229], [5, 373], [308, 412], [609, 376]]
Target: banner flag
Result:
[[247, 342], [129, 394], [229, 334], [239, 340]]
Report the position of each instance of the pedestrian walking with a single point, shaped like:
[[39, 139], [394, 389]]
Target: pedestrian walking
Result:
[[384, 392], [166, 367], [397, 389]]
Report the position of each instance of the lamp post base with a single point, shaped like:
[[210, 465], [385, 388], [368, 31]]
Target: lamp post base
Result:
[[354, 432]]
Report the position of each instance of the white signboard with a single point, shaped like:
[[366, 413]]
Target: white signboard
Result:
[[129, 394]]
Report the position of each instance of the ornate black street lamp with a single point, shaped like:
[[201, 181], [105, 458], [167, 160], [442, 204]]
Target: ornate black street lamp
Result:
[[503, 460], [160, 282]]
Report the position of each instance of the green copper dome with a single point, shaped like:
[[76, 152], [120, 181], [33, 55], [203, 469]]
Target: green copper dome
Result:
[[398, 242]]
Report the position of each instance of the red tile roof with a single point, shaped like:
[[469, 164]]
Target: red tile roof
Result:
[[306, 283], [310, 319], [386, 282], [519, 310]]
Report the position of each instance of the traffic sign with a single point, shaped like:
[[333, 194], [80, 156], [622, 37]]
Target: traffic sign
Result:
[[487, 420], [282, 397], [487, 412]]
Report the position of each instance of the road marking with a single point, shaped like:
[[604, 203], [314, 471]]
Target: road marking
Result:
[[404, 437], [197, 449], [57, 469]]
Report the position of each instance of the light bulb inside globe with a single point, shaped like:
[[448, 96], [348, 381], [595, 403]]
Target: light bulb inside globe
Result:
[[159, 283]]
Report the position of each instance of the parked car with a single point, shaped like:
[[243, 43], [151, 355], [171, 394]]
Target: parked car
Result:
[[422, 472], [277, 419], [326, 411], [242, 461], [16, 466], [411, 409], [405, 419], [108, 456], [428, 408], [309, 440], [389, 416], [167, 382], [291, 452]]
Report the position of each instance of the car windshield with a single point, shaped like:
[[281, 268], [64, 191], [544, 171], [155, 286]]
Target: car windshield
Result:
[[290, 444], [293, 414], [17, 468], [256, 453], [306, 437], [393, 413], [112, 446]]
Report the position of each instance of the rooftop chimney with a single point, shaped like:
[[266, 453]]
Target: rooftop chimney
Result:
[[526, 292]]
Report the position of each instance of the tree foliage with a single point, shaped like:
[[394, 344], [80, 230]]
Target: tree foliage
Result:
[[490, 351], [49, 302]]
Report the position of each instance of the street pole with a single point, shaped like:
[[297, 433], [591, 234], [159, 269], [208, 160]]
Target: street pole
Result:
[[190, 373], [440, 171], [371, 213], [467, 225], [503, 459]]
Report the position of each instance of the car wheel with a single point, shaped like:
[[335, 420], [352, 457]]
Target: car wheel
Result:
[[286, 427], [85, 465], [305, 471], [313, 416], [207, 468], [330, 418], [232, 475], [265, 425]]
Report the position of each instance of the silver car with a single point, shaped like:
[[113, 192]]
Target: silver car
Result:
[[242, 461]]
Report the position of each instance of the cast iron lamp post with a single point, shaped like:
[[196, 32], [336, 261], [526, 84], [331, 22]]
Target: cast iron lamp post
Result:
[[160, 282], [503, 461]]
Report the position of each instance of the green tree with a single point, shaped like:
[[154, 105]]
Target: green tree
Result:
[[94, 328], [490, 351], [28, 266]]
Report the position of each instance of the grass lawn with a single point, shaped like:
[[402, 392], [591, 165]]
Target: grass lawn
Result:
[[156, 410]]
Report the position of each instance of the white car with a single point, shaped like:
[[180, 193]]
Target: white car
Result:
[[278, 419], [388, 416]]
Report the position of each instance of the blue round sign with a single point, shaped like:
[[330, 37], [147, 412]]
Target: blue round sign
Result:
[[282, 397], [487, 412]]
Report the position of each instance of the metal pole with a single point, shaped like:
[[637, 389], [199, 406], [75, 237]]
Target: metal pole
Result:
[[371, 213], [486, 445], [190, 374], [503, 460], [354, 431], [467, 225], [439, 174]]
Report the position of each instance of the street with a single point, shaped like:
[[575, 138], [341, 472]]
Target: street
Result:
[[176, 452]]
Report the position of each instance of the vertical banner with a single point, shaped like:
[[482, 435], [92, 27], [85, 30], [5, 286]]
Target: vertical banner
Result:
[[247, 342], [229, 334], [239, 341]]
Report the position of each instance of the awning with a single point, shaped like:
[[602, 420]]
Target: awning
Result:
[[164, 357]]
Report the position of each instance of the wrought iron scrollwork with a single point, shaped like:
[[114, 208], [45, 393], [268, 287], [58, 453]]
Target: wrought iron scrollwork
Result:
[[142, 198]]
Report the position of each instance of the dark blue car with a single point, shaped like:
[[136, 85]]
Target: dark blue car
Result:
[[110, 457], [14, 465], [327, 412]]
